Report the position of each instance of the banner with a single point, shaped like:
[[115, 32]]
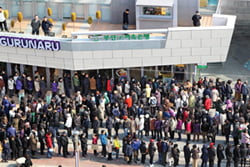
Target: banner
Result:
[[30, 43]]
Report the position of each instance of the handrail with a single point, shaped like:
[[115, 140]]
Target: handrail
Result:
[[117, 32], [218, 9]]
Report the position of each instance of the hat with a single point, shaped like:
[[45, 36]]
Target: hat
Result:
[[125, 117], [211, 144], [147, 115], [141, 116], [151, 140]]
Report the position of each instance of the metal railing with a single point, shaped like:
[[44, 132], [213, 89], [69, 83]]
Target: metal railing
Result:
[[218, 9]]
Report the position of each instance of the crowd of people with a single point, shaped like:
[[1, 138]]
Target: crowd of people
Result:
[[152, 116]]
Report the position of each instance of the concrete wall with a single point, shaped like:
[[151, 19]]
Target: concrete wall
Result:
[[183, 45], [117, 9], [154, 24], [186, 9]]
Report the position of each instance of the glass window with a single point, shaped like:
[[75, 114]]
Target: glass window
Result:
[[162, 11]]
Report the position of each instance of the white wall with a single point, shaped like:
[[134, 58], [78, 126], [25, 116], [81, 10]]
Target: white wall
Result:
[[184, 45]]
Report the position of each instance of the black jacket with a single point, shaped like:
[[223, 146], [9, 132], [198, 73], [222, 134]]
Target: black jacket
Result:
[[46, 25], [220, 153], [125, 18], [187, 152], [236, 154], [229, 154], [211, 154]]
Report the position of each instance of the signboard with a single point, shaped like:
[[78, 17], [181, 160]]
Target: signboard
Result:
[[202, 66], [119, 37], [30, 43]]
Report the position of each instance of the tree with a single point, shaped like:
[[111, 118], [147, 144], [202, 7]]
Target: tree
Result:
[[20, 19], [98, 15]]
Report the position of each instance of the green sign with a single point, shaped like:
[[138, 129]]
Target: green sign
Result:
[[120, 37], [201, 66]]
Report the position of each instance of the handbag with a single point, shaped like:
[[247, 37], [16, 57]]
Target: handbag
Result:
[[51, 150], [126, 158]]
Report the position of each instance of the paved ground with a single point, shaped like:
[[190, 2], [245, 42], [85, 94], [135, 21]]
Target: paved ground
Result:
[[91, 160]]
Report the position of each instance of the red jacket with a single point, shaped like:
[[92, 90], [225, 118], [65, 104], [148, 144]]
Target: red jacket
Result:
[[48, 141], [208, 104], [128, 101]]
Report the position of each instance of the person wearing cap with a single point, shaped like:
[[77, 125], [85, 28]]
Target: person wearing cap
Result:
[[151, 151], [196, 19], [211, 154]]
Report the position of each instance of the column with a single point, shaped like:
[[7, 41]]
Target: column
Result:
[[112, 73], [156, 71], [47, 77], [128, 74], [21, 68], [142, 71], [72, 75], [34, 69], [8, 69]]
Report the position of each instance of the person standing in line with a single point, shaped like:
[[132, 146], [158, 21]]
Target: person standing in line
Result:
[[103, 138], [125, 19], [176, 155], [109, 148], [46, 26], [195, 155], [3, 23], [236, 155], [35, 25], [187, 154], [211, 154], [220, 154], [204, 156], [196, 19], [229, 155], [151, 151]]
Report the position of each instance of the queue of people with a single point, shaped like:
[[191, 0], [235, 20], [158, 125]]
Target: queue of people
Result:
[[145, 110]]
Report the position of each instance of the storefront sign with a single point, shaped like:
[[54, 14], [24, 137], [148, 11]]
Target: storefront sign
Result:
[[120, 37], [30, 43]]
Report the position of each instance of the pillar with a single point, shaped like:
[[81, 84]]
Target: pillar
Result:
[[47, 77], [128, 74], [8, 69], [113, 75], [156, 71], [142, 71], [72, 75], [21, 68], [189, 72], [34, 68]]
